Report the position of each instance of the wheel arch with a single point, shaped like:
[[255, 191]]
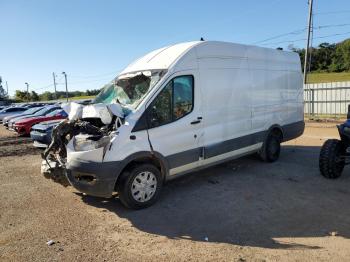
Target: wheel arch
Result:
[[275, 129], [154, 158]]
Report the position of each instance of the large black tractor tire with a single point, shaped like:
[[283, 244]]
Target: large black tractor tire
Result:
[[330, 163]]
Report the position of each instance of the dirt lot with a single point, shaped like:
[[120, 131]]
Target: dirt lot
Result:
[[244, 210]]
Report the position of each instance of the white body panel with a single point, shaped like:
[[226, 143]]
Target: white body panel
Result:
[[239, 91]]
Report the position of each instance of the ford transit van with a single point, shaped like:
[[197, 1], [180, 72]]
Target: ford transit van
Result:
[[179, 109]]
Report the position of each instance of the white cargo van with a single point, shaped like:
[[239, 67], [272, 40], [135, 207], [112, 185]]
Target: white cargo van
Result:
[[186, 107]]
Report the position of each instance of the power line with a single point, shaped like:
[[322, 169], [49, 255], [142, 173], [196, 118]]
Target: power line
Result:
[[295, 32], [58, 82], [40, 88], [299, 31], [59, 78], [303, 39], [333, 12], [330, 26], [333, 35]]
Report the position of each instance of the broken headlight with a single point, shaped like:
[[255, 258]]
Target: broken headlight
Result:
[[85, 143]]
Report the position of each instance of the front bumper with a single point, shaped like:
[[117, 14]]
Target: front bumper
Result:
[[11, 126], [93, 178], [20, 129], [44, 138]]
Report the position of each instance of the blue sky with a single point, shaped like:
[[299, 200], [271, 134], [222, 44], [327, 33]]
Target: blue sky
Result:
[[92, 40]]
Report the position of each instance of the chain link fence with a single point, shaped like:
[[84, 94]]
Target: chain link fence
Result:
[[327, 99]]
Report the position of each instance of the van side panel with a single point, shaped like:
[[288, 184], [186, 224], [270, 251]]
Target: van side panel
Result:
[[247, 90], [225, 90], [276, 88]]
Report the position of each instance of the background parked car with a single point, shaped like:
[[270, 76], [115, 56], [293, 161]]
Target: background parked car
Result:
[[33, 105], [42, 112], [41, 133], [24, 126], [11, 111], [28, 112]]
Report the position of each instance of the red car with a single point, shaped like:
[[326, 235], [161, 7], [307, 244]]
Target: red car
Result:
[[24, 126]]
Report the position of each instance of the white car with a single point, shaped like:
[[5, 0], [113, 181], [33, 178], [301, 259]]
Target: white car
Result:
[[189, 106], [11, 111]]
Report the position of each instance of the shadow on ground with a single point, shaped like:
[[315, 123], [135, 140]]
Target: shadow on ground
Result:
[[247, 202]]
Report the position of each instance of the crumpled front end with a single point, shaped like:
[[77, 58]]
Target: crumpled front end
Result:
[[86, 171], [75, 154], [79, 144]]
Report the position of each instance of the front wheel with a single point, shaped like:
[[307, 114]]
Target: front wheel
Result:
[[139, 186], [330, 162]]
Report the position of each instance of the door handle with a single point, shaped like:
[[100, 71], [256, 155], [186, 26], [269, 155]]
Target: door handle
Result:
[[195, 122]]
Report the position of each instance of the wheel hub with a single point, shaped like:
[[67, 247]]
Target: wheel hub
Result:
[[144, 186]]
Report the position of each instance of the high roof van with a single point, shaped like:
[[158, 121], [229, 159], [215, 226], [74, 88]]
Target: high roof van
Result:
[[186, 107]]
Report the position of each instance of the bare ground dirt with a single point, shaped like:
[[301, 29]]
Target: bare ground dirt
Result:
[[243, 210]]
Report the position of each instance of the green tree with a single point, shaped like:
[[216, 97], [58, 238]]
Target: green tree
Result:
[[46, 96], [21, 95], [328, 57], [341, 59], [34, 96], [322, 57], [92, 92]]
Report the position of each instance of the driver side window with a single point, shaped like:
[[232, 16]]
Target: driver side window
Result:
[[173, 102], [161, 108]]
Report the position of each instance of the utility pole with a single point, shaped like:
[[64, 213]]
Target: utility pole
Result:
[[54, 83], [310, 2], [7, 89], [308, 41], [65, 78], [27, 91]]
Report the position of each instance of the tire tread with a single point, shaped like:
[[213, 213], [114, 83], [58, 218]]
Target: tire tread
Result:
[[327, 159]]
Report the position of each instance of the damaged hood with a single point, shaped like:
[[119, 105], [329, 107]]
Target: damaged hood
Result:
[[100, 111]]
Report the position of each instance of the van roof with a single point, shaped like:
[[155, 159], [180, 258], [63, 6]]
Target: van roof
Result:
[[161, 58], [165, 57]]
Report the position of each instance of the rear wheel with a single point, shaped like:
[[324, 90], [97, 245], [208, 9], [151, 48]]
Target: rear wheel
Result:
[[271, 149], [330, 162], [139, 186]]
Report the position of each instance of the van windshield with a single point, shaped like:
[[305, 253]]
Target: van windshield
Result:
[[129, 89]]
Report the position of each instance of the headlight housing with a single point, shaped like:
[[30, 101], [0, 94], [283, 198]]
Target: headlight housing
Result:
[[85, 143]]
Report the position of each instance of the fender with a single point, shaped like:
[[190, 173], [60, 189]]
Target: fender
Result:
[[143, 154]]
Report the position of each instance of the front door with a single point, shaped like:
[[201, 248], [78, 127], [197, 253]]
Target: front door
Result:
[[176, 122]]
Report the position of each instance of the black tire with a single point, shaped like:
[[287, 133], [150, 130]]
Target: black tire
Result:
[[331, 166], [271, 148], [125, 184]]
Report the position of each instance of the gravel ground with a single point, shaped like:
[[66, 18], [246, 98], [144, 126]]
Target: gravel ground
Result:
[[243, 210]]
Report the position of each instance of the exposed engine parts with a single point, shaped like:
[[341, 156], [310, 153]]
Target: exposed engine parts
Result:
[[90, 127], [54, 157], [97, 125], [67, 129]]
